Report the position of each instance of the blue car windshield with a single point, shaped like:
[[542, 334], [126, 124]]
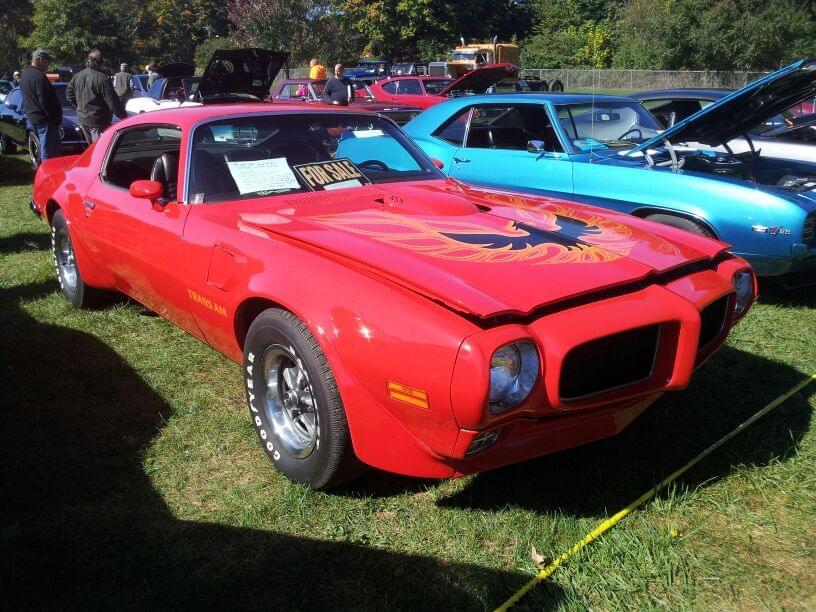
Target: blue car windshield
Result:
[[606, 124]]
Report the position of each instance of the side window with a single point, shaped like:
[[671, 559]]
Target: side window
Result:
[[390, 87], [453, 130], [145, 153], [511, 128], [410, 87]]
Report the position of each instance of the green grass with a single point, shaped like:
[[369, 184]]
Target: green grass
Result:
[[130, 477]]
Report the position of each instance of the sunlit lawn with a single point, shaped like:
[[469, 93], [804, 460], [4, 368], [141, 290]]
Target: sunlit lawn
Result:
[[131, 478]]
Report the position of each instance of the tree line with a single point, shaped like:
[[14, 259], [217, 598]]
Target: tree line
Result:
[[657, 34]]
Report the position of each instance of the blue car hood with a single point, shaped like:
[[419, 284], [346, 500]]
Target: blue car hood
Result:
[[739, 112]]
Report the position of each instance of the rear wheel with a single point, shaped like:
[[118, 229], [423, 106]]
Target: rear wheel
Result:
[[33, 150], [556, 85], [6, 146], [294, 402], [682, 223], [68, 275]]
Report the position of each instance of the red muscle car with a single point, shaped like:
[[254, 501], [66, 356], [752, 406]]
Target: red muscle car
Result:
[[426, 91], [381, 313]]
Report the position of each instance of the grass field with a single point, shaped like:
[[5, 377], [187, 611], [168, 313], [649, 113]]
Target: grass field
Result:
[[130, 477]]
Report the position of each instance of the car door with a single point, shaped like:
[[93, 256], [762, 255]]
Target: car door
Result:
[[13, 118], [405, 91], [513, 146], [141, 241]]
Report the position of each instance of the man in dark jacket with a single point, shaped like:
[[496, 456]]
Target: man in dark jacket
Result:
[[121, 84], [92, 93], [41, 105], [338, 89]]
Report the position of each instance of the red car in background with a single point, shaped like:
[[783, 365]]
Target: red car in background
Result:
[[380, 312], [425, 91], [310, 91]]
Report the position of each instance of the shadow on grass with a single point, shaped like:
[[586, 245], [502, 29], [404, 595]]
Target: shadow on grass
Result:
[[82, 527], [25, 241], [603, 477], [15, 170], [773, 293]]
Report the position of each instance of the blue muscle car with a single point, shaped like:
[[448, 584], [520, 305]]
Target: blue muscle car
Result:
[[609, 151]]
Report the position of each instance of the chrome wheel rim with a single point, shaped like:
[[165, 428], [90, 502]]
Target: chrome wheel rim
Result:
[[33, 151], [290, 404], [66, 265]]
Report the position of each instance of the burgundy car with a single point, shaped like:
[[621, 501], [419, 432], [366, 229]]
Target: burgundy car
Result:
[[310, 92]]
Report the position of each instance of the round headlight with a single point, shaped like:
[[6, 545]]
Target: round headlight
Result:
[[743, 282], [514, 370]]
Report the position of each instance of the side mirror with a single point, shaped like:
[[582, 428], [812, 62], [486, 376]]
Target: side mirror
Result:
[[536, 146], [149, 190], [438, 163]]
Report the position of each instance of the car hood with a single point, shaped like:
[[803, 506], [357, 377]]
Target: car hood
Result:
[[176, 69], [241, 71], [739, 112], [479, 252], [480, 79]]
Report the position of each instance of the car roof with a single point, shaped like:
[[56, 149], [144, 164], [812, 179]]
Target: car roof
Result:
[[555, 98], [691, 94], [416, 77]]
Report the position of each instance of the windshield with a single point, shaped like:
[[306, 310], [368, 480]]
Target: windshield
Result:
[[60, 91], [245, 157], [464, 56], [606, 124], [369, 67], [433, 87]]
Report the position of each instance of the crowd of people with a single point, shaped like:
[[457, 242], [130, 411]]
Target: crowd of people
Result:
[[98, 99]]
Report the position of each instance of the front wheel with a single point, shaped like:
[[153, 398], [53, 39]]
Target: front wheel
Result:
[[6, 146], [70, 278], [294, 402]]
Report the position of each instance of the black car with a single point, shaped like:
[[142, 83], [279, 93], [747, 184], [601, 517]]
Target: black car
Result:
[[14, 130]]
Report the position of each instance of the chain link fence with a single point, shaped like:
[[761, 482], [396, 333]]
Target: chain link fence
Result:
[[576, 78]]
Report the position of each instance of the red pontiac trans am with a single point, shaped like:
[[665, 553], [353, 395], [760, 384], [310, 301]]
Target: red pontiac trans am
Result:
[[381, 313]]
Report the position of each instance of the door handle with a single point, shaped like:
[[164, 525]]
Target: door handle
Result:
[[88, 204], [460, 160]]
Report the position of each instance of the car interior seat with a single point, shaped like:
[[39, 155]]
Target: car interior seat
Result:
[[165, 171]]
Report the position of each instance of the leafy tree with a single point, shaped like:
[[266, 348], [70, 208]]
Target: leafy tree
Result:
[[15, 23]]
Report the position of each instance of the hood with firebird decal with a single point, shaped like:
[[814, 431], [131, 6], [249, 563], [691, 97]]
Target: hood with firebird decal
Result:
[[739, 112], [480, 252]]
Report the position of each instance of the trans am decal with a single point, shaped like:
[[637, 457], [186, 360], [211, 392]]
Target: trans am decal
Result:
[[556, 234]]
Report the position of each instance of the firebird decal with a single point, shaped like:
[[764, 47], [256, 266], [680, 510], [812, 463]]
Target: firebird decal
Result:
[[543, 237]]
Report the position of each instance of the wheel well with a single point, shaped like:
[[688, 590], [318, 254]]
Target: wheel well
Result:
[[247, 312], [51, 209], [644, 212]]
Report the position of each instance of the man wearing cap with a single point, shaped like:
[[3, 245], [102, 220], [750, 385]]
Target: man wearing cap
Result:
[[121, 84], [41, 105], [92, 94]]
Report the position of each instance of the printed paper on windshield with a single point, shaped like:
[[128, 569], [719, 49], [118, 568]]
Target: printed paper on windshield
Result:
[[263, 175]]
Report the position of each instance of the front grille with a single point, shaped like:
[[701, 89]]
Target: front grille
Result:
[[712, 318], [809, 233], [610, 362]]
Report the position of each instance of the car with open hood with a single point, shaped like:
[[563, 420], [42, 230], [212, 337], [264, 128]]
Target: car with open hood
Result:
[[309, 92], [381, 313], [427, 91], [15, 134], [231, 75], [610, 151], [790, 134]]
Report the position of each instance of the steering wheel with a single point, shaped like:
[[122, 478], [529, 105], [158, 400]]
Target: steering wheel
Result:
[[374, 163], [629, 131]]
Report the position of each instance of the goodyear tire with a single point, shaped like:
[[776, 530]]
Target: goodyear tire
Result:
[[682, 223], [69, 276], [6, 146], [294, 402]]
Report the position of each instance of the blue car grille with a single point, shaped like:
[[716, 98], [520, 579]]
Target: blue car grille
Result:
[[809, 233]]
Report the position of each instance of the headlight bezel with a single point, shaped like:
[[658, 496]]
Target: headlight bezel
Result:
[[516, 386], [743, 282]]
